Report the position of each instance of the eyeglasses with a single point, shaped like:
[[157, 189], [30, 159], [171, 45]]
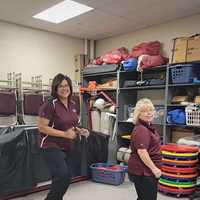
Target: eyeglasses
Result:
[[147, 111], [63, 86]]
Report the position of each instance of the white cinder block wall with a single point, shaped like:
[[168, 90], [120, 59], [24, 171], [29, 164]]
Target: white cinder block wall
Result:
[[34, 52]]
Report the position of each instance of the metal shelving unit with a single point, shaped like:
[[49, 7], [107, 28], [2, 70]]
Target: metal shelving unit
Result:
[[129, 96], [126, 96], [183, 84], [176, 105], [182, 125], [151, 87], [100, 77], [100, 74], [171, 89]]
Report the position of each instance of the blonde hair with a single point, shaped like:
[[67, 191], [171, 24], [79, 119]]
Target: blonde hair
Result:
[[141, 105]]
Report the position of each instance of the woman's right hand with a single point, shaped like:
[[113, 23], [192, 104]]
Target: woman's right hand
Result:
[[70, 133], [157, 172]]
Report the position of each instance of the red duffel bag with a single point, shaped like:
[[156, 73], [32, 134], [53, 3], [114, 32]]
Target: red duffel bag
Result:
[[148, 48], [147, 61]]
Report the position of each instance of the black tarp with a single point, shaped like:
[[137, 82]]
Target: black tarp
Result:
[[15, 162], [22, 165], [84, 153], [88, 151], [40, 169], [97, 148]]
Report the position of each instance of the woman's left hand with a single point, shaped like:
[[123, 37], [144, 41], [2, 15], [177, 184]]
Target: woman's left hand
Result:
[[83, 131]]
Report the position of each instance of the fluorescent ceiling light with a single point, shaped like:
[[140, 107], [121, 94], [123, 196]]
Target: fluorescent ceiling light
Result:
[[62, 11]]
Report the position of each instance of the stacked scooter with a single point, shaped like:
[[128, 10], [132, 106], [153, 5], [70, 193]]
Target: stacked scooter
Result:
[[179, 169]]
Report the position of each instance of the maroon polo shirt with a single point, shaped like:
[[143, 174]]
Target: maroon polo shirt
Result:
[[60, 118], [144, 136]]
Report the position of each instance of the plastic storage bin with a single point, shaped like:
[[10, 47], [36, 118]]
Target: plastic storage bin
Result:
[[108, 173], [193, 115], [130, 64], [176, 116], [159, 115], [182, 73]]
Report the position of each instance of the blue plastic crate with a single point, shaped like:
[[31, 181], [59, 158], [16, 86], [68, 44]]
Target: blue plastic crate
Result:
[[102, 173], [182, 73]]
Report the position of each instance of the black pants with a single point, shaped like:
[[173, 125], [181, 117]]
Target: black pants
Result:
[[146, 186], [58, 165]]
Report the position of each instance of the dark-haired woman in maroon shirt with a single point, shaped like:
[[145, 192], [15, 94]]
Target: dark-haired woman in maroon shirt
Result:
[[145, 159], [57, 123]]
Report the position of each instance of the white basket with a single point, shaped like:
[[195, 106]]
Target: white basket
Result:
[[193, 115]]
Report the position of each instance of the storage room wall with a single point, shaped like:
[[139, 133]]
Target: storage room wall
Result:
[[163, 32], [34, 52]]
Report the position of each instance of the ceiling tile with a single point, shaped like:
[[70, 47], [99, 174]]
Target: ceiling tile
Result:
[[109, 18]]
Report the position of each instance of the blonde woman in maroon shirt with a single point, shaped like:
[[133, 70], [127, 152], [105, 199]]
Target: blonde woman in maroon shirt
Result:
[[57, 124], [145, 160]]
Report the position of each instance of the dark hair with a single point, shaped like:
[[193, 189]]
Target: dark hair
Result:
[[57, 81]]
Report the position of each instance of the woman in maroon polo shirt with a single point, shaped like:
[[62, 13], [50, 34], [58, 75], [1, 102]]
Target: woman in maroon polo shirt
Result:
[[57, 123], [145, 159]]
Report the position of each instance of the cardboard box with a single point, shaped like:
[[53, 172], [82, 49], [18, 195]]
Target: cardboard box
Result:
[[177, 134], [179, 50], [186, 49], [193, 49], [197, 99]]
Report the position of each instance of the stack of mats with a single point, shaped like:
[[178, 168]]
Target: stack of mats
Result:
[[179, 169]]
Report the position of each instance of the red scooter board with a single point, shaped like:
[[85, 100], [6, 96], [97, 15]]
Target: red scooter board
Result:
[[184, 170], [171, 190], [179, 162], [179, 148], [179, 175]]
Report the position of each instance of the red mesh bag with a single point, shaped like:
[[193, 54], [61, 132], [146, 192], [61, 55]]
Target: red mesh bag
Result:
[[147, 61], [116, 56], [97, 61], [149, 48], [124, 53]]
